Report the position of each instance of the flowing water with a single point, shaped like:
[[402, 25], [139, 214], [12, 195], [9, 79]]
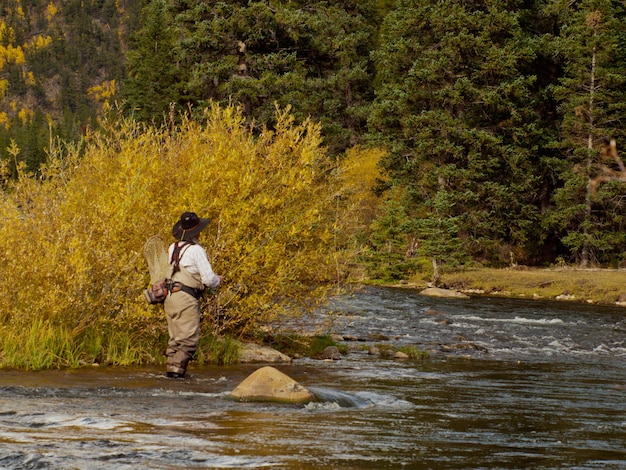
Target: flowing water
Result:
[[509, 384]]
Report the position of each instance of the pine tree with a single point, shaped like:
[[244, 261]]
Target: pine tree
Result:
[[593, 109], [311, 56], [153, 81], [457, 105]]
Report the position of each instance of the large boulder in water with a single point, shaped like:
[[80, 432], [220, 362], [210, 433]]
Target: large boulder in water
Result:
[[269, 384]]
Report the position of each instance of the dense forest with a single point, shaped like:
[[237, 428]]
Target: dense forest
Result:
[[501, 123]]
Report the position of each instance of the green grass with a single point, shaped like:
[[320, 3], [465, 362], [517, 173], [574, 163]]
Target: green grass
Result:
[[302, 345], [414, 353], [388, 350], [41, 346], [601, 286], [385, 349], [44, 346], [214, 350]]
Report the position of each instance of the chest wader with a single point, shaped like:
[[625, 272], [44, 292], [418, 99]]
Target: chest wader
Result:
[[182, 310]]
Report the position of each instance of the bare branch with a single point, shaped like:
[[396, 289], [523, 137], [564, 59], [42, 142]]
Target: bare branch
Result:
[[609, 174]]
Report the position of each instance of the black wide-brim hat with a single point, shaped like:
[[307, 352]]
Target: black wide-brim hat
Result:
[[189, 226]]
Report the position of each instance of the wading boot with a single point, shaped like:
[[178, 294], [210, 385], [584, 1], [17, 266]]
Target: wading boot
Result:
[[174, 372]]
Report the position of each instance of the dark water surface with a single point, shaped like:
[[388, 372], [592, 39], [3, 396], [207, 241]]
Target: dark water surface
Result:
[[510, 384]]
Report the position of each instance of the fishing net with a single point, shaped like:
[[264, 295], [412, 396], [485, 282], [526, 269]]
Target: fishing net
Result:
[[155, 253]]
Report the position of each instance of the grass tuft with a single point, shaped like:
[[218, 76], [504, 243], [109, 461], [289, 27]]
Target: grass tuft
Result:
[[302, 345], [214, 350], [414, 353]]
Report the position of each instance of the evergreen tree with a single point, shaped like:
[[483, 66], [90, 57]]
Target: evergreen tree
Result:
[[312, 56], [153, 81], [593, 107], [457, 105], [390, 255]]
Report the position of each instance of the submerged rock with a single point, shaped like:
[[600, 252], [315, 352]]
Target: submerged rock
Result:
[[432, 311], [351, 338], [377, 337], [269, 384]]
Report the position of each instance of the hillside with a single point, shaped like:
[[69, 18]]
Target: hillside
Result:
[[518, 158], [61, 63]]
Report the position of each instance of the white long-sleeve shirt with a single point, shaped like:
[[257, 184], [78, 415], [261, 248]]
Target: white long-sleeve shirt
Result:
[[195, 260]]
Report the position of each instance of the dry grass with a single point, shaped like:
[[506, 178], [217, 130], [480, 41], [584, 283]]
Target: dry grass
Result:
[[601, 286]]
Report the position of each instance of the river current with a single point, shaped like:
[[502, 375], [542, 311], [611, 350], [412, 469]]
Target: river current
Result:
[[509, 384]]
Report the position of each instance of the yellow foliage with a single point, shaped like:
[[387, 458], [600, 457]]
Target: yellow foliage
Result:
[[104, 93], [25, 115], [359, 175], [4, 87], [38, 42], [29, 78], [71, 239], [51, 11], [11, 54], [7, 35], [17, 55], [360, 170]]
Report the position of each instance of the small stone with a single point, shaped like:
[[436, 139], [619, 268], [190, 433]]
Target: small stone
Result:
[[377, 337], [437, 292], [400, 355], [332, 353], [565, 297], [251, 353]]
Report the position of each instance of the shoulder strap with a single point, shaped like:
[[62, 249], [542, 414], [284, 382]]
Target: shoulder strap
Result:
[[177, 254]]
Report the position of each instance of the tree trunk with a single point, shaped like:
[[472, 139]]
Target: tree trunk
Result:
[[585, 250], [436, 277]]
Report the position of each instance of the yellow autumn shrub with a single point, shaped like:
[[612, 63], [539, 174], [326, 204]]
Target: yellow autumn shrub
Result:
[[71, 238], [359, 175]]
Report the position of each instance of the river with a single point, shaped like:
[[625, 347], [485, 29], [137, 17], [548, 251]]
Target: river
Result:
[[510, 384]]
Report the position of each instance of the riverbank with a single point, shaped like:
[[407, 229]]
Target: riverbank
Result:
[[596, 286]]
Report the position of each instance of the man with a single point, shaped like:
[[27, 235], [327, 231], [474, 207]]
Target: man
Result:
[[191, 274]]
